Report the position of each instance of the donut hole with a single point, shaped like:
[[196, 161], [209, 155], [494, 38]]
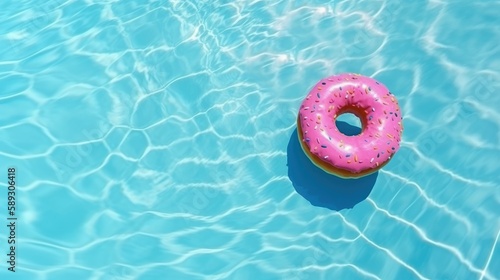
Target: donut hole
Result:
[[349, 124]]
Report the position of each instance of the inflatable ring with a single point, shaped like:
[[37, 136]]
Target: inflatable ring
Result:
[[350, 156]]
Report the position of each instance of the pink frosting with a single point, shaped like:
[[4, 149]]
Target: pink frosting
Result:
[[372, 102]]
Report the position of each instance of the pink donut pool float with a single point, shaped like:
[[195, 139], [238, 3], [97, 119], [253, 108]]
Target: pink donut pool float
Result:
[[350, 156]]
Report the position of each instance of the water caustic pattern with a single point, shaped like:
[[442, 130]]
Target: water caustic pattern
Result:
[[155, 140]]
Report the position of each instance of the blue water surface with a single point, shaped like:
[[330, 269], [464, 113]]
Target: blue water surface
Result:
[[157, 140]]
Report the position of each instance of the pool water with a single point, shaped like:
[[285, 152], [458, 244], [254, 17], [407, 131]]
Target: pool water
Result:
[[157, 140]]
